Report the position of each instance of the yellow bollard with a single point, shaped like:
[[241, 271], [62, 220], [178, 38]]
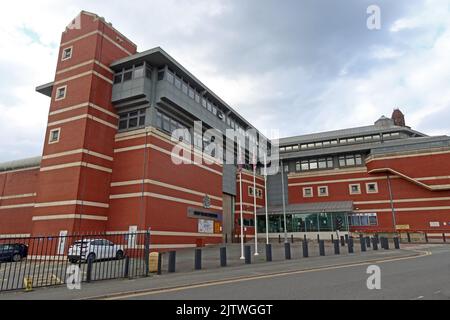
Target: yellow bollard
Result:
[[153, 262], [28, 284]]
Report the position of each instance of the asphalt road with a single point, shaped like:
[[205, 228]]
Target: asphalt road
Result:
[[424, 277]]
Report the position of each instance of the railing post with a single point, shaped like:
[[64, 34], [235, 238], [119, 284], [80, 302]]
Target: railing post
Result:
[[223, 256], [198, 259], [287, 251], [172, 261], [322, 247], [268, 252]]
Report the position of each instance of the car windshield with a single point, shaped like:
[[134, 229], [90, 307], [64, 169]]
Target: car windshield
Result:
[[5, 247]]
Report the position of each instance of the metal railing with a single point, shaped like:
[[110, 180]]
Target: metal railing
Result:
[[30, 262]]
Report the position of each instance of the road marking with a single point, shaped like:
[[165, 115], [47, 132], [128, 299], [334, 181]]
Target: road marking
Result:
[[418, 298], [437, 292], [147, 292]]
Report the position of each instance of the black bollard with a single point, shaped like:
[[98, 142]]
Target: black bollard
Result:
[[279, 238], [350, 245], [287, 251], [90, 261], [305, 248], [332, 238], [198, 259], [159, 271], [172, 260], [396, 243], [346, 238], [318, 238], [322, 247], [386, 243], [292, 238], [127, 267], [382, 242], [375, 244], [223, 256], [426, 237], [336, 247], [342, 241], [443, 237], [248, 255], [268, 252], [362, 241], [409, 237], [368, 242]]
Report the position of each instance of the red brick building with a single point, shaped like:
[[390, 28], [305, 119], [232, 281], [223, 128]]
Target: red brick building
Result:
[[108, 163]]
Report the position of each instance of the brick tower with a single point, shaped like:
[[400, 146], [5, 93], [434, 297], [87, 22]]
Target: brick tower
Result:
[[75, 173]]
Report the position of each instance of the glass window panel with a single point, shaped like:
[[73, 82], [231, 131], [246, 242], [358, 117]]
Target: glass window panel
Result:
[[169, 77], [141, 120], [178, 83], [139, 72], [118, 78], [322, 164], [184, 88], [133, 122], [313, 164], [127, 76]]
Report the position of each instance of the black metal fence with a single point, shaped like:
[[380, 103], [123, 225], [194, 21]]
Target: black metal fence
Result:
[[30, 262]]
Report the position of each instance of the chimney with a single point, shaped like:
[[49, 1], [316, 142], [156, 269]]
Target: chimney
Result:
[[398, 117]]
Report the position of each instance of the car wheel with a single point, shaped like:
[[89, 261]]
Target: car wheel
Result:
[[91, 257], [119, 255], [17, 257]]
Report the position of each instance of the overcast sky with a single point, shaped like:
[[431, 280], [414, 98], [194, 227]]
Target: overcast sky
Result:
[[299, 66]]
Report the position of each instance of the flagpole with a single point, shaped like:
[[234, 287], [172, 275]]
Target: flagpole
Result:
[[265, 198], [242, 218], [254, 207]]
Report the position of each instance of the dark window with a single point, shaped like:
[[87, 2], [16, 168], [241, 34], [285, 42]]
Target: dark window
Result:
[[118, 78], [160, 75], [132, 119], [127, 75]]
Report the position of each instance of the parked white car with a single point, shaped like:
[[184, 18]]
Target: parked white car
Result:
[[95, 249]]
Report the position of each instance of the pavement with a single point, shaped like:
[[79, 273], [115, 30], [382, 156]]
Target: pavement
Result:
[[414, 271]]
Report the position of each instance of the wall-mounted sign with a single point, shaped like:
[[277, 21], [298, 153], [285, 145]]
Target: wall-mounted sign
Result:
[[435, 224], [402, 227], [205, 226]]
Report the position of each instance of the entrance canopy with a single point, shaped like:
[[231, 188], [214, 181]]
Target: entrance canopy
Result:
[[314, 207]]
